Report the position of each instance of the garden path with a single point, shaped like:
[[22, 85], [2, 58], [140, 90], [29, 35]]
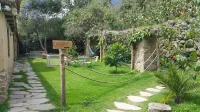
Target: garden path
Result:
[[136, 100], [28, 95]]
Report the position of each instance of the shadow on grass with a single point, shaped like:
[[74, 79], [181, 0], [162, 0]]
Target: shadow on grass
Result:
[[117, 72], [43, 66]]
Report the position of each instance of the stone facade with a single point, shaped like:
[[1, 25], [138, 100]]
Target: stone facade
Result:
[[145, 54], [182, 43], [8, 46]]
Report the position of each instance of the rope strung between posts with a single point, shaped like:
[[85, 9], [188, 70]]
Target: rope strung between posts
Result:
[[105, 82], [95, 71]]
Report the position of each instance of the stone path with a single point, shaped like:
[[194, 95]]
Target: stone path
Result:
[[27, 97], [136, 100]]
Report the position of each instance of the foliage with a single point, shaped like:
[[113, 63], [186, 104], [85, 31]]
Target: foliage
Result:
[[72, 51], [181, 62], [168, 33], [114, 55], [140, 35], [178, 82], [93, 16], [38, 21], [44, 6], [148, 12]]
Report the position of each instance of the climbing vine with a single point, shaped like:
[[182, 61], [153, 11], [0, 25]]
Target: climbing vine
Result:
[[140, 35]]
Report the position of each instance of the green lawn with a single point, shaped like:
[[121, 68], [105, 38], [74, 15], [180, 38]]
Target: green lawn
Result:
[[87, 96]]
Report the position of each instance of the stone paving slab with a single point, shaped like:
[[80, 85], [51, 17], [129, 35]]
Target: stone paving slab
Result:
[[41, 95], [153, 90], [37, 88], [17, 96], [160, 87], [16, 89], [29, 97], [137, 99], [37, 101], [17, 109], [36, 85], [125, 106], [114, 110], [18, 105], [16, 76], [15, 101], [41, 107], [37, 91], [145, 93], [19, 93]]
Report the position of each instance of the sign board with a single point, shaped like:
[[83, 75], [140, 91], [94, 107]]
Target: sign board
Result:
[[62, 44]]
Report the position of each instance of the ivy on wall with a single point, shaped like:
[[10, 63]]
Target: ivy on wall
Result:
[[161, 31]]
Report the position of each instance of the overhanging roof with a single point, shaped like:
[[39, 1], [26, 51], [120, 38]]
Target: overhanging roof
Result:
[[13, 3]]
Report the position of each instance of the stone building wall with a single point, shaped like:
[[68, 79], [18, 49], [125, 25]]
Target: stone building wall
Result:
[[6, 61], [182, 42], [145, 53]]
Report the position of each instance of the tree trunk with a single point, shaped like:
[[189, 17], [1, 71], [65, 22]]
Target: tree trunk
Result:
[[101, 53], [132, 57], [87, 45], [177, 100], [40, 40], [45, 44], [103, 46]]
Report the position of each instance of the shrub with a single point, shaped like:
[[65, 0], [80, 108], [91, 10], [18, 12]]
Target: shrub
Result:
[[114, 55], [178, 82]]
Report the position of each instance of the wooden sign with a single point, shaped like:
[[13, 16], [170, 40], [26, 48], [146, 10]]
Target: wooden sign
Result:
[[62, 44]]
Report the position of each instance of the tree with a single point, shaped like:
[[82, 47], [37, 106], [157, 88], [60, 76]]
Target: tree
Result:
[[95, 15], [114, 55], [39, 21]]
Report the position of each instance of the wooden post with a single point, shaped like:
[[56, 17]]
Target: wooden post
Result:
[[103, 46], [62, 75], [132, 57], [87, 45], [62, 45], [101, 53]]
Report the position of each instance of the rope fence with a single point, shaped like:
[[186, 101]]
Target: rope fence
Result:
[[95, 71], [105, 82]]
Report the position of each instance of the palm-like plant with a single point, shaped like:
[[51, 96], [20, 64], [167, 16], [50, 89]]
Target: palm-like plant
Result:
[[178, 82]]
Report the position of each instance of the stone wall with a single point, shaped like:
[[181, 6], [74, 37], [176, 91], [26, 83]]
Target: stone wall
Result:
[[3, 87], [182, 42], [145, 53], [6, 61]]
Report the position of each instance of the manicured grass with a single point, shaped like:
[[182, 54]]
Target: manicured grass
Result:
[[191, 102], [84, 95]]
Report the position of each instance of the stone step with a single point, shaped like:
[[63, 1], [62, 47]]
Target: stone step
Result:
[[145, 94], [125, 106], [136, 99], [41, 107], [114, 110], [153, 90], [160, 87]]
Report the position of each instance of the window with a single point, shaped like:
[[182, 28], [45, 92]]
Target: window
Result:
[[8, 37]]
